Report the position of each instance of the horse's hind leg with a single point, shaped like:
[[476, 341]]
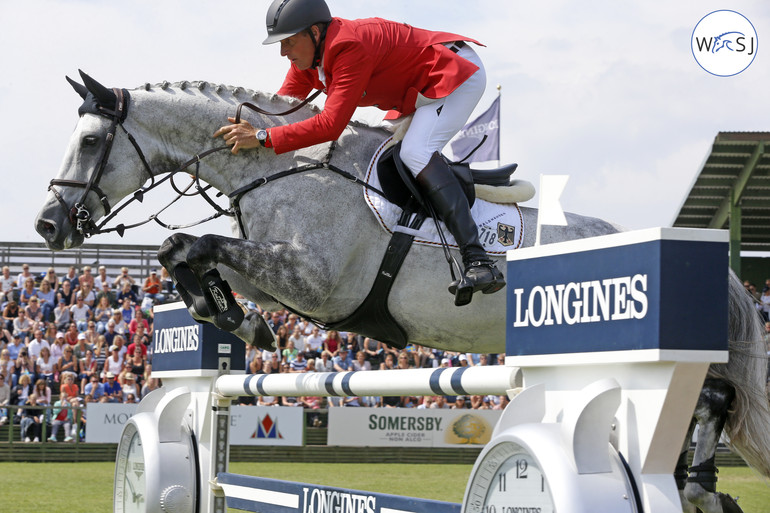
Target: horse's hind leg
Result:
[[681, 474], [711, 414]]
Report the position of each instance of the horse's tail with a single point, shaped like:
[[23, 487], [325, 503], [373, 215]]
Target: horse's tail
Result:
[[748, 424]]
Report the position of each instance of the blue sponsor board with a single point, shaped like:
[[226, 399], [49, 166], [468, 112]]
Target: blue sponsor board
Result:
[[663, 289], [180, 343], [265, 495]]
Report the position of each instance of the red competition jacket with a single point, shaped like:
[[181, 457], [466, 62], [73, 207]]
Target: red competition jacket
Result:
[[371, 62]]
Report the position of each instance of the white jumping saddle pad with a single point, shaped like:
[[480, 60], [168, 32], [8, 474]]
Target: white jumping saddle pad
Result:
[[500, 226]]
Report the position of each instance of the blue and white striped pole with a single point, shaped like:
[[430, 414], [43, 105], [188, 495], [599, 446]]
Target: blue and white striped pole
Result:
[[479, 380]]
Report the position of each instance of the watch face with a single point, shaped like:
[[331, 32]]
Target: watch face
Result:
[[130, 479], [509, 479]]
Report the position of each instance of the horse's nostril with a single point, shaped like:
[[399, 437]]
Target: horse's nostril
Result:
[[46, 228]]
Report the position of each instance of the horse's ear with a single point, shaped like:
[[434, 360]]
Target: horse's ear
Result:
[[79, 88], [104, 96]]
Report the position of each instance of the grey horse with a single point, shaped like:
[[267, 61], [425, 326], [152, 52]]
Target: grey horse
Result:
[[303, 232]]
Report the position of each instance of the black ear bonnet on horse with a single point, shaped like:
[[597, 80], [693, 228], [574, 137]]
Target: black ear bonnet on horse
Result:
[[98, 99]]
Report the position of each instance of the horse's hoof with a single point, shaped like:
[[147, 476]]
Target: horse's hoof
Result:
[[264, 338], [196, 305], [225, 310], [190, 291], [728, 503]]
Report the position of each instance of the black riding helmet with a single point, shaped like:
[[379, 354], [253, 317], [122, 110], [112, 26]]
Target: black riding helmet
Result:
[[288, 17]]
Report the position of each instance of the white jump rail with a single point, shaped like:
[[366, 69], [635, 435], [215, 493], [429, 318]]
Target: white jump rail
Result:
[[479, 380]]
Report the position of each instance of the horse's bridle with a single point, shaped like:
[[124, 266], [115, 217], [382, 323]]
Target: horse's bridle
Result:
[[79, 216], [81, 219]]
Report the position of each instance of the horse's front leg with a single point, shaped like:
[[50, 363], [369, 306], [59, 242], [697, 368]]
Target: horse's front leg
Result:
[[284, 270], [172, 254], [711, 414]]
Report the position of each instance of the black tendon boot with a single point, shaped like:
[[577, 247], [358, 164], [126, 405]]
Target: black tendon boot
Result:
[[446, 195]]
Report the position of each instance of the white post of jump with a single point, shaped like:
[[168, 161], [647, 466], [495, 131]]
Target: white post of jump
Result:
[[646, 310], [191, 356]]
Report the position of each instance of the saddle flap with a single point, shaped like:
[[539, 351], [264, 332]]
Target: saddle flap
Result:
[[399, 185], [391, 183]]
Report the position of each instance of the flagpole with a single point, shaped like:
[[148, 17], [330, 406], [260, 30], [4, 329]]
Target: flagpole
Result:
[[499, 122]]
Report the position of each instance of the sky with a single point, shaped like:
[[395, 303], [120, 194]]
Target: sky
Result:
[[607, 92]]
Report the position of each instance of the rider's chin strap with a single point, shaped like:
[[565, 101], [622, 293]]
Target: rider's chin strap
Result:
[[319, 45]]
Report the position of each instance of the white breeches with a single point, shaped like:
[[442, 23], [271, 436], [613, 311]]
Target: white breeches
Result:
[[435, 122]]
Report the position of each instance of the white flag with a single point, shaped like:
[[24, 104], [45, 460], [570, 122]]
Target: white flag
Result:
[[549, 207]]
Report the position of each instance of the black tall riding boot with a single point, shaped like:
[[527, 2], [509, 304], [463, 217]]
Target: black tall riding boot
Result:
[[446, 195]]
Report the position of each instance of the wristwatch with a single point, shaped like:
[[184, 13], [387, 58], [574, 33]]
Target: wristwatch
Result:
[[262, 136]]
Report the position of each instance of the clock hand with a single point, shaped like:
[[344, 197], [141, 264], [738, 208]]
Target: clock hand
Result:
[[133, 494]]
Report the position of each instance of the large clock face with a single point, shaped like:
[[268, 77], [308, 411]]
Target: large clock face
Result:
[[130, 477], [509, 479]]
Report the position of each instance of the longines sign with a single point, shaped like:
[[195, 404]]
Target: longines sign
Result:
[[183, 345], [662, 289]]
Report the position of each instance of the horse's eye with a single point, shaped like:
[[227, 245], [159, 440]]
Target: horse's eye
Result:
[[90, 140]]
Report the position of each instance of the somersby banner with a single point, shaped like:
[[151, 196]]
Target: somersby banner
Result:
[[407, 427]]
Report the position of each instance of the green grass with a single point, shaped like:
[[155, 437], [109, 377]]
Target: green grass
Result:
[[87, 487]]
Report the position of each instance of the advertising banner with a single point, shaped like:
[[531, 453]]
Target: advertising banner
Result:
[[266, 425], [106, 421], [249, 425], [408, 427], [622, 292]]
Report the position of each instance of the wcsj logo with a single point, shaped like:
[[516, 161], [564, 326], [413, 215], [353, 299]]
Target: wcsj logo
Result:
[[724, 43]]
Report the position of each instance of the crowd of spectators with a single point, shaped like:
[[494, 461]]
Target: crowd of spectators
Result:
[[69, 340], [762, 297]]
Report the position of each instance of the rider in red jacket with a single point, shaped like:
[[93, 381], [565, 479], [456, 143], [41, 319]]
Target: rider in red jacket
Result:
[[436, 76]]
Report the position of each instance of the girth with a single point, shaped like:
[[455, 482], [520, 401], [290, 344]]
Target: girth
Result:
[[372, 318]]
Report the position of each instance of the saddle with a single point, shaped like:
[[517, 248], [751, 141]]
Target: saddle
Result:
[[400, 187]]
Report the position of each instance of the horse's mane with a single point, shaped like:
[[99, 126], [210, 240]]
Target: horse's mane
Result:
[[240, 94]]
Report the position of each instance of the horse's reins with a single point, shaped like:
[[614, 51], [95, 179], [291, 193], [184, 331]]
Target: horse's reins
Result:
[[236, 195], [80, 217]]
